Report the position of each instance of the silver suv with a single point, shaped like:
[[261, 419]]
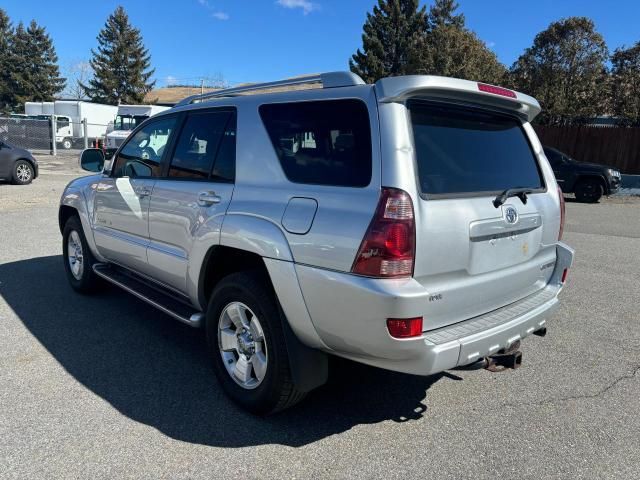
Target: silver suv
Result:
[[413, 225]]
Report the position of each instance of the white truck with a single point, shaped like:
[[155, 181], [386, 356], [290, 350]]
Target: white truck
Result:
[[69, 117], [127, 119]]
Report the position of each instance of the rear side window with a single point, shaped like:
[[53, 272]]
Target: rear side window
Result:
[[199, 144], [322, 143], [465, 151]]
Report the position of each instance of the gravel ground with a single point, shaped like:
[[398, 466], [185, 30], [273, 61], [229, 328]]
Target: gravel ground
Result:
[[107, 387]]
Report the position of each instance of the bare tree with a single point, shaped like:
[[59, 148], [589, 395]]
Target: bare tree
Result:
[[78, 72]]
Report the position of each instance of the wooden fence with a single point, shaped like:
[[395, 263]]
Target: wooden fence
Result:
[[615, 146]]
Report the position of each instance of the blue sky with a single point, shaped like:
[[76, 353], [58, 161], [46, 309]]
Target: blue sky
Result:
[[260, 40]]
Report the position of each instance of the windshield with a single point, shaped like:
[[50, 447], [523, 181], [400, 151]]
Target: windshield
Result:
[[463, 151], [128, 122]]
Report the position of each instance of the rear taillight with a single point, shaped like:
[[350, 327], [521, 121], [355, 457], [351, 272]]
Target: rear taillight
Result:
[[483, 87], [561, 195], [564, 275], [405, 327], [388, 247]]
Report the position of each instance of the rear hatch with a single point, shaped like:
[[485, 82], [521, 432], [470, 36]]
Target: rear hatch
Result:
[[473, 256]]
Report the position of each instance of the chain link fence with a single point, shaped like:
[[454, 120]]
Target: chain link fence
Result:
[[36, 133]]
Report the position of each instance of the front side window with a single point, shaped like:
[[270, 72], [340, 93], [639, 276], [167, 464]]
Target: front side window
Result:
[[465, 151], [199, 149], [322, 143], [141, 155]]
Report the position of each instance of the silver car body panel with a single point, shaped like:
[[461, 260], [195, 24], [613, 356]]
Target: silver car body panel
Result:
[[467, 256]]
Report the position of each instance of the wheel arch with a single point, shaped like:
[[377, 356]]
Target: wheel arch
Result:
[[592, 176], [65, 212], [309, 366]]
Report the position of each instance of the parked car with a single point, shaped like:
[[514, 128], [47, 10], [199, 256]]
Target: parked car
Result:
[[589, 181], [412, 225], [17, 165]]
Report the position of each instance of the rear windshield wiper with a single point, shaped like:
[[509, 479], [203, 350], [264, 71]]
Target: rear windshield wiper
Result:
[[519, 192]]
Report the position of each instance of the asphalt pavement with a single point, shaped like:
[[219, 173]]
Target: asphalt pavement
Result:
[[105, 386]]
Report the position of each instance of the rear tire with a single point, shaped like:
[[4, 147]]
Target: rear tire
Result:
[[22, 172], [78, 259], [247, 344], [589, 190]]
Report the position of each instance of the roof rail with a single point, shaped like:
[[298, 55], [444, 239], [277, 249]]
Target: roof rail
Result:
[[328, 80]]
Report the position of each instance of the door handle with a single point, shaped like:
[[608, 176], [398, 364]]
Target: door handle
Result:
[[143, 191], [206, 199]]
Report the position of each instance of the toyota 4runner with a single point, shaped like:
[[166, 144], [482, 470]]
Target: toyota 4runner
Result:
[[412, 225]]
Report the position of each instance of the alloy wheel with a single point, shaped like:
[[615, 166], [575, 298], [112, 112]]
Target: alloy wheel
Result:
[[74, 255], [242, 345], [23, 172]]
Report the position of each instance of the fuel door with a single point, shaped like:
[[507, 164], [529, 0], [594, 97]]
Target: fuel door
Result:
[[299, 214]]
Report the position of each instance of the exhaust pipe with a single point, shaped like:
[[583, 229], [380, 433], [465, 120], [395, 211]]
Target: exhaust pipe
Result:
[[541, 333]]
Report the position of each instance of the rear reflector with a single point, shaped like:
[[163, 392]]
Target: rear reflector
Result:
[[483, 87], [405, 327], [564, 275]]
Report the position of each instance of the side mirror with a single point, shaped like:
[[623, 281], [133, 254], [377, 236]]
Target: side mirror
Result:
[[92, 160]]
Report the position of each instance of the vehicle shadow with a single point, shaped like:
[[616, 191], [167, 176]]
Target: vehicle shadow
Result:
[[156, 371]]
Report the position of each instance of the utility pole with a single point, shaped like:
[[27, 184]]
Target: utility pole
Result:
[[202, 86]]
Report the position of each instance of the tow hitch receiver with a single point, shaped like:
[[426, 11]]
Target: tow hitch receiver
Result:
[[510, 358]]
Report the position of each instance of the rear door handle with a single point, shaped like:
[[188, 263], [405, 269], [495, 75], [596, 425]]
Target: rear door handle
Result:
[[206, 199]]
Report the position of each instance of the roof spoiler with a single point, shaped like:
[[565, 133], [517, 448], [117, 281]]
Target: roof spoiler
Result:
[[399, 89]]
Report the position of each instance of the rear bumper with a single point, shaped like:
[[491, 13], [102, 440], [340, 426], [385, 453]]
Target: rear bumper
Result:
[[349, 314]]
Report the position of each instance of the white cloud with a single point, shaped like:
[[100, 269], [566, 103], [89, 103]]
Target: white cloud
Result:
[[218, 15], [170, 80], [306, 5]]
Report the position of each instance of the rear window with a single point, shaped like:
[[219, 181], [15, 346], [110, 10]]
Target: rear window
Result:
[[465, 151], [322, 143]]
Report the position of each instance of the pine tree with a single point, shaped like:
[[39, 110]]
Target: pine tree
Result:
[[449, 49], [441, 14], [390, 41], [565, 69], [625, 83], [34, 74], [6, 38], [121, 64]]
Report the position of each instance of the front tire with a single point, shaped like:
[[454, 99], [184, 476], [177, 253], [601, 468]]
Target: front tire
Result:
[[78, 259], [247, 345], [589, 190], [67, 143], [22, 172]]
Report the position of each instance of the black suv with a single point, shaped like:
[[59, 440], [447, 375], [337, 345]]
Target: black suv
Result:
[[589, 181]]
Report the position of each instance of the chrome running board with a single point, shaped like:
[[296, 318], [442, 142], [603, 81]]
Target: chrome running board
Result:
[[154, 295]]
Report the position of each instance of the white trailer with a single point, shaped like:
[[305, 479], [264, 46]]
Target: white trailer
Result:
[[128, 118], [39, 108], [70, 115]]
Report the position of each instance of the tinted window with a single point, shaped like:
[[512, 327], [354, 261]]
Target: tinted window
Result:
[[141, 155], [466, 151], [325, 143], [225, 167], [198, 144]]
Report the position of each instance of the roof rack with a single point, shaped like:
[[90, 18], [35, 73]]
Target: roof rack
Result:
[[328, 80]]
